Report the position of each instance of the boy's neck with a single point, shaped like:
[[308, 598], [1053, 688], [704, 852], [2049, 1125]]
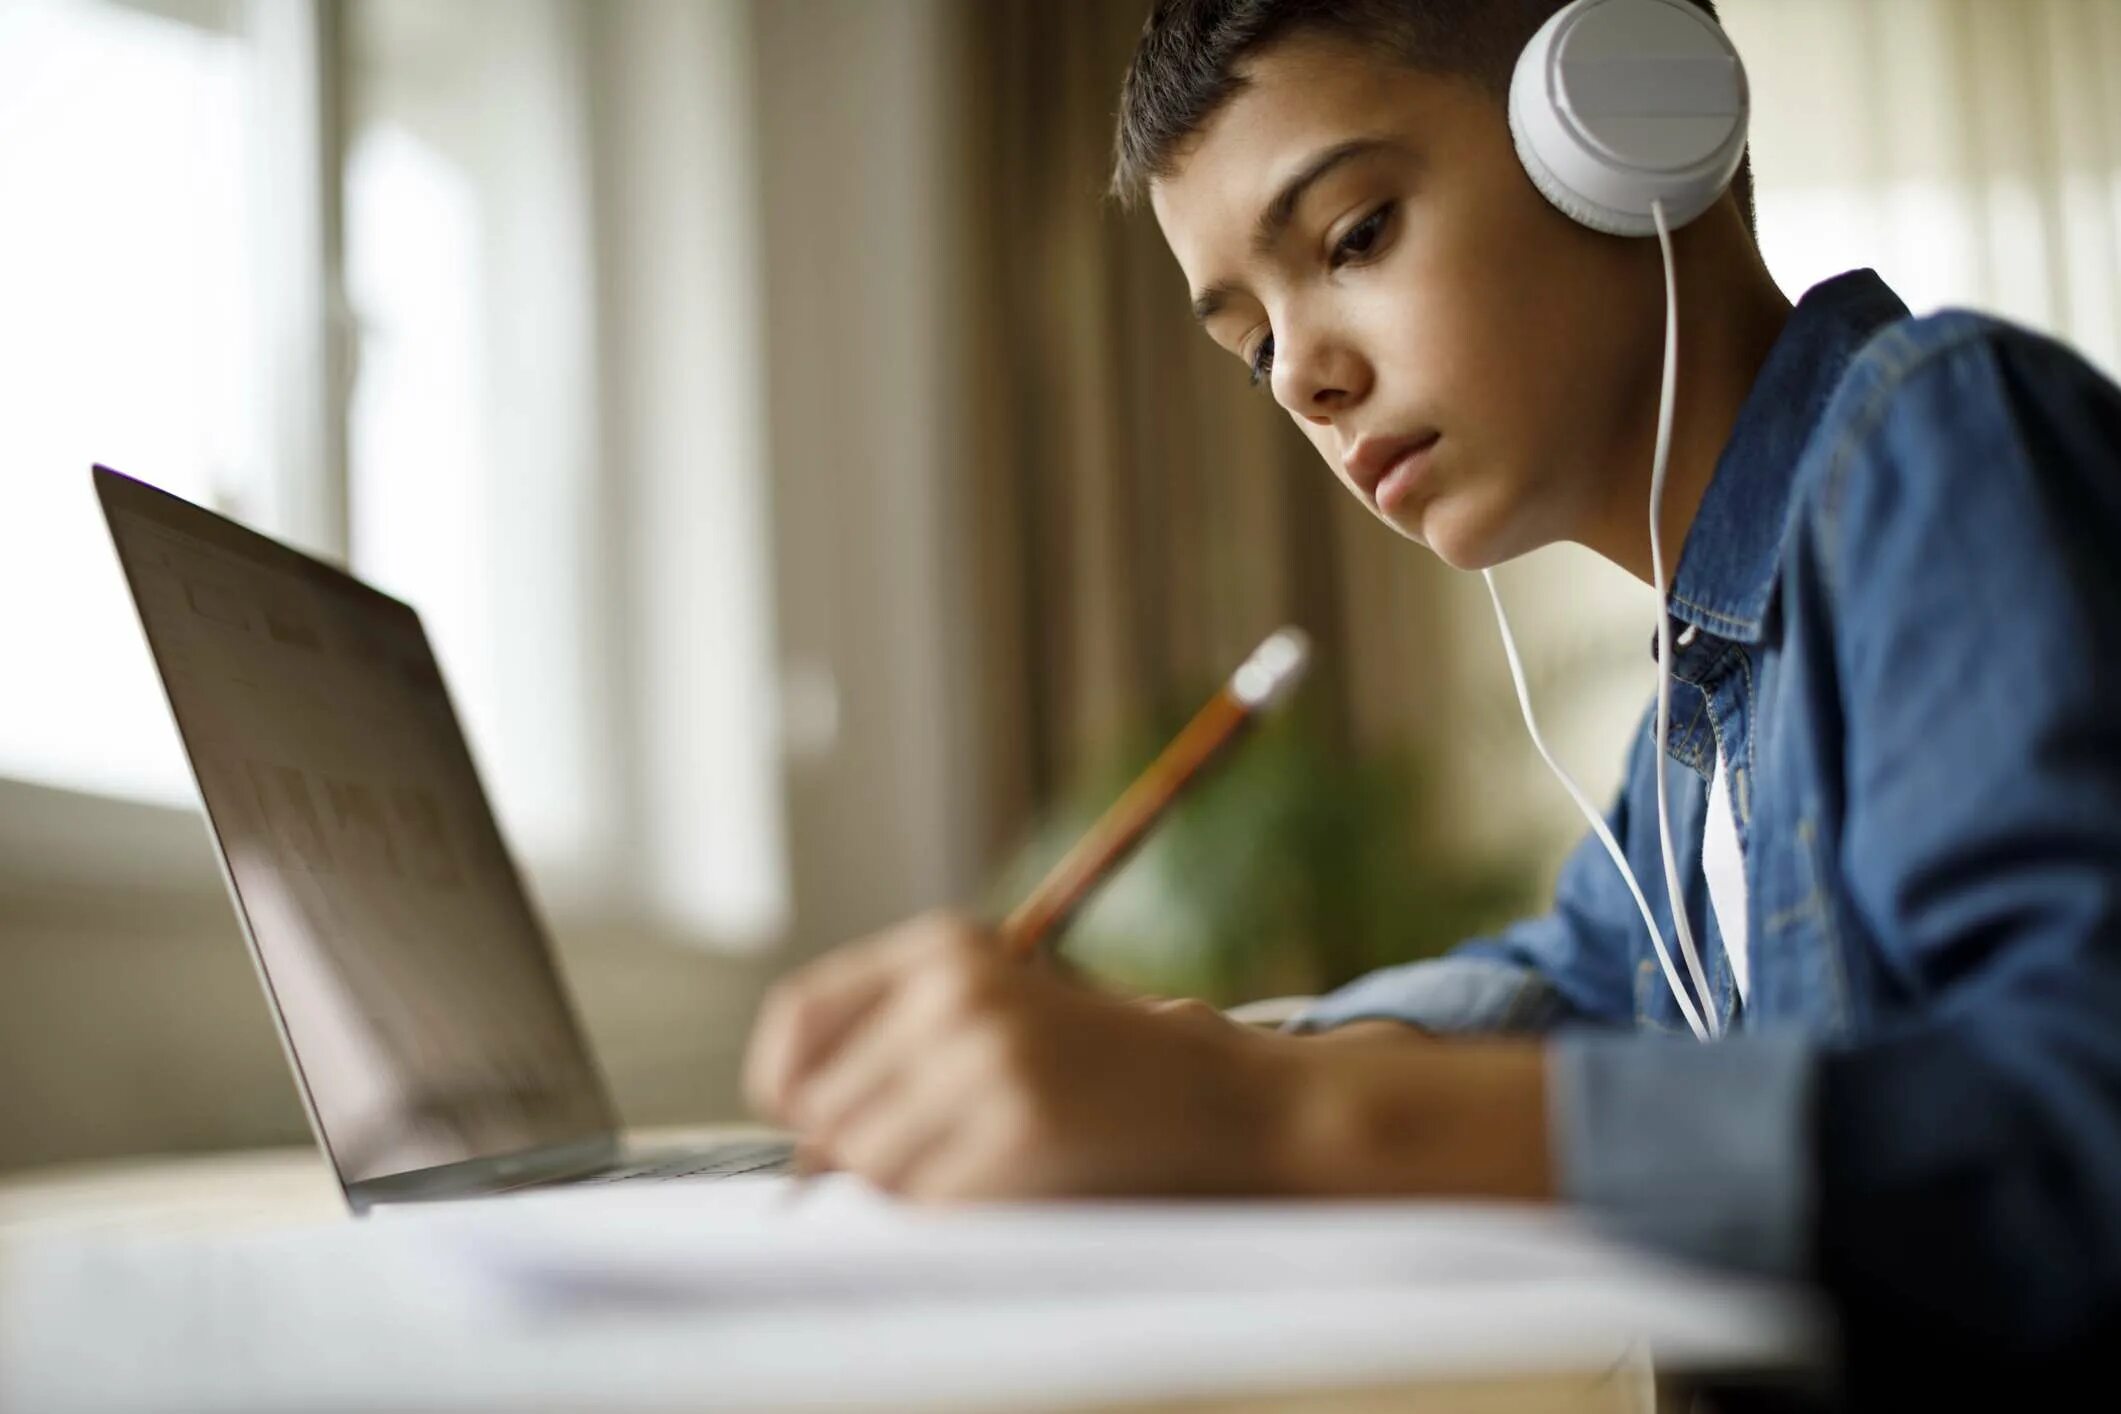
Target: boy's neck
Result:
[[1730, 314]]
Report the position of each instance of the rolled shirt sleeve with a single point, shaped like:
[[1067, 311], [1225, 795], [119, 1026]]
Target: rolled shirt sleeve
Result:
[[1445, 995], [1705, 1151]]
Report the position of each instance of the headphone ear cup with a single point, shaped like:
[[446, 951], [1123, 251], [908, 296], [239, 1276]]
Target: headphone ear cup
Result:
[[1616, 106], [1565, 199]]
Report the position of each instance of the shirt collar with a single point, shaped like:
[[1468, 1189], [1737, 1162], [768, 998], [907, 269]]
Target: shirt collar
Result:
[[1727, 571]]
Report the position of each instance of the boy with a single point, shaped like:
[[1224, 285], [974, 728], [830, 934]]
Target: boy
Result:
[[1898, 613]]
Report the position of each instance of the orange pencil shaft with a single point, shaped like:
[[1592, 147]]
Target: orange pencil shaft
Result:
[[1122, 826], [1259, 684]]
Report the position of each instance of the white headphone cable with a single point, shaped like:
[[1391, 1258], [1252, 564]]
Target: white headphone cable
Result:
[[1590, 811], [1667, 400], [1701, 1020]]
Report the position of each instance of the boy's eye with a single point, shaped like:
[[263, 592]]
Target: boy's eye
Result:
[[1262, 361], [1362, 237]]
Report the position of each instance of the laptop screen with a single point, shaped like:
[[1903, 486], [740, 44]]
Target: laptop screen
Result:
[[416, 987]]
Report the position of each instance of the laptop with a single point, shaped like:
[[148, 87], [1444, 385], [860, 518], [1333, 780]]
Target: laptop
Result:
[[434, 1044]]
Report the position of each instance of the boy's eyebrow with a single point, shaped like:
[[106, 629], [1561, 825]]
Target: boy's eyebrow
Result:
[[1282, 209], [1279, 212]]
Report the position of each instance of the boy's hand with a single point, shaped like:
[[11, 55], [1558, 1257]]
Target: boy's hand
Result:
[[934, 1066]]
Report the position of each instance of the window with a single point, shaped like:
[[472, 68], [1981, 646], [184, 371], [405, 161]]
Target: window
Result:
[[128, 335], [546, 451], [587, 546], [474, 480]]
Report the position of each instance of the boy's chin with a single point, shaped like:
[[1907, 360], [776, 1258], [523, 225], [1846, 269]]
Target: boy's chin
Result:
[[1462, 541]]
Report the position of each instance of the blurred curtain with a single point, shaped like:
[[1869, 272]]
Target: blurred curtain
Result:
[[1969, 149], [1141, 516]]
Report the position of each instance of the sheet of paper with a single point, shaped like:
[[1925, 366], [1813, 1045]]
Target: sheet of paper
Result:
[[746, 1241], [727, 1295]]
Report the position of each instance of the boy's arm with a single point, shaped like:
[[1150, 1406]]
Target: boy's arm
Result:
[[1955, 1173], [1970, 1156]]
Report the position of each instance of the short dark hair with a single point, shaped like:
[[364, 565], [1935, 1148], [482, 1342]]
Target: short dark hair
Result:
[[1185, 64]]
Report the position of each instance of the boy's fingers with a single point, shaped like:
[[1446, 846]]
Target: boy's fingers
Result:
[[970, 1161], [1182, 1007], [867, 1062], [807, 1016], [800, 1023], [892, 1139]]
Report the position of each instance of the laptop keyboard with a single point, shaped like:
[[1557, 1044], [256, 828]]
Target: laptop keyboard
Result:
[[722, 1161]]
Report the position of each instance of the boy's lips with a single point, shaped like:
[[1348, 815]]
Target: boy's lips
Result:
[[1385, 469]]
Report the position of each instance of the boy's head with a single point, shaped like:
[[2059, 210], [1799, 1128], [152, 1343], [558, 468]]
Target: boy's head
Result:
[[1338, 182]]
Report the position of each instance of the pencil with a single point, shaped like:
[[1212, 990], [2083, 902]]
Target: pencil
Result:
[[1260, 684]]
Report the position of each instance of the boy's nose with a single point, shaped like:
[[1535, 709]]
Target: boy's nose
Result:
[[1320, 382]]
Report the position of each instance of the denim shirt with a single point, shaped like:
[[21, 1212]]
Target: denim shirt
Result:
[[1904, 583]]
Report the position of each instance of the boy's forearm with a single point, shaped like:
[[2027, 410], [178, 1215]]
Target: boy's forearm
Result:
[[1373, 1113]]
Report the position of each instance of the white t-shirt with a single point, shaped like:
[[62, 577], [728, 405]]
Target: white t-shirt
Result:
[[1724, 864]]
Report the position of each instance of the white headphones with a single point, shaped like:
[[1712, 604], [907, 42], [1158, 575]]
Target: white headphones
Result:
[[1617, 104], [1630, 117]]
